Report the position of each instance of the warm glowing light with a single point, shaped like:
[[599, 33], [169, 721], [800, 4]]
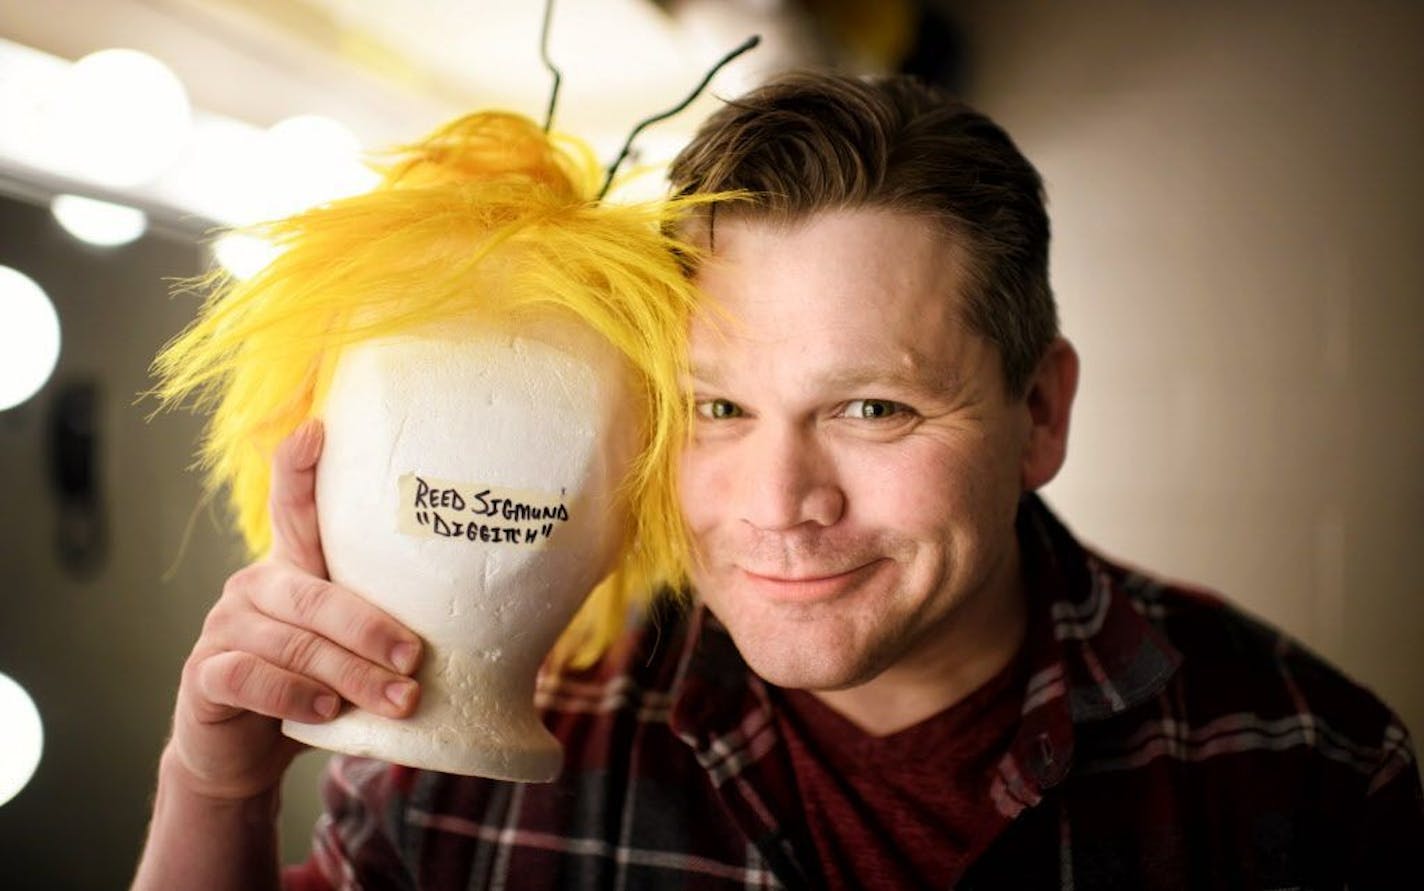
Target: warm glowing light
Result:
[[223, 175], [314, 159], [243, 256], [120, 118], [28, 81], [29, 340], [22, 740], [98, 222]]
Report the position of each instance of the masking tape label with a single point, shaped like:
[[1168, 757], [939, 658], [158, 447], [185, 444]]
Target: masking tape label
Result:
[[479, 512]]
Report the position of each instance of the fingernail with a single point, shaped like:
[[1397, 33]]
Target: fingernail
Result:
[[403, 657], [326, 705], [399, 693]]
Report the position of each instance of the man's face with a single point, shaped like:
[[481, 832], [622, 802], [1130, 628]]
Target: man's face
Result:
[[856, 463]]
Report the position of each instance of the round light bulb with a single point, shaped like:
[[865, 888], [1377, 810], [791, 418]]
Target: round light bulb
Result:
[[22, 741], [314, 159], [120, 118], [224, 173], [29, 338], [242, 255], [98, 222]]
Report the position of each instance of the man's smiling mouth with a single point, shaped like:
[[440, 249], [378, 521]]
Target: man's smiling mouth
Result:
[[809, 586]]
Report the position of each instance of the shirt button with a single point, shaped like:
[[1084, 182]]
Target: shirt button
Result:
[[1045, 753]]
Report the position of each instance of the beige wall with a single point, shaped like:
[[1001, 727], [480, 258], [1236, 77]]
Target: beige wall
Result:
[[1237, 192]]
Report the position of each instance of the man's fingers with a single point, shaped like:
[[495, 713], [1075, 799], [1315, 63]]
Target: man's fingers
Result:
[[292, 504], [249, 683], [366, 684], [294, 598]]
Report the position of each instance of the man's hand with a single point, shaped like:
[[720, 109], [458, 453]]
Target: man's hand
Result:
[[282, 642]]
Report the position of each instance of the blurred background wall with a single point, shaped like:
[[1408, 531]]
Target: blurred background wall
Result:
[[1237, 204], [1238, 207]]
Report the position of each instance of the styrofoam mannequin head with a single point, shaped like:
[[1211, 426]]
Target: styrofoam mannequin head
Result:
[[489, 224], [471, 485]]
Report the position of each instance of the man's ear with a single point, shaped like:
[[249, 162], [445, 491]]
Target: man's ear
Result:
[[1050, 403]]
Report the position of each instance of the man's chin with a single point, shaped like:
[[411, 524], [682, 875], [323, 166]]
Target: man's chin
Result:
[[802, 647], [793, 668]]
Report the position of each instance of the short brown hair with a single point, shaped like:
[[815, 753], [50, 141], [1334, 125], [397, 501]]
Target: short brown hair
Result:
[[813, 141]]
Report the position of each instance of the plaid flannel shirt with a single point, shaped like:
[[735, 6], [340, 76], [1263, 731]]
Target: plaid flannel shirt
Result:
[[1166, 741]]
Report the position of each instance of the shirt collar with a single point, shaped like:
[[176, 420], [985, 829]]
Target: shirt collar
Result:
[[1109, 655], [1091, 654]]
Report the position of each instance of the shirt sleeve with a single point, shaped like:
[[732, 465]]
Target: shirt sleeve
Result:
[[1390, 834], [354, 843]]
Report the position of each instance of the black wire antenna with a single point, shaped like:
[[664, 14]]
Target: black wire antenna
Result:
[[544, 55], [746, 45]]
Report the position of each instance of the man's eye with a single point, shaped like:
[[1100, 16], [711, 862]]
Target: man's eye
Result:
[[872, 409], [718, 409]]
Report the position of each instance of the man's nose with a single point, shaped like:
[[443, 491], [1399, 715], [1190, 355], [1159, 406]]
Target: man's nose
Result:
[[789, 480]]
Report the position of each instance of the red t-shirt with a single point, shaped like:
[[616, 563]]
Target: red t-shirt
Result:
[[907, 810]]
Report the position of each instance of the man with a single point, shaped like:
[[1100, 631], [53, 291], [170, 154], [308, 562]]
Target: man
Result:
[[898, 668]]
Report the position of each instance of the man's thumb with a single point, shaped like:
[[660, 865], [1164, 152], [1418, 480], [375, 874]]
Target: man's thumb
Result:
[[292, 503]]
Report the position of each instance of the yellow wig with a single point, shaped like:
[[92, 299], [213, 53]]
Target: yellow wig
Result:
[[417, 250]]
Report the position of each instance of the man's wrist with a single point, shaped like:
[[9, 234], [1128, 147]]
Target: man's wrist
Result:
[[175, 778], [201, 840]]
